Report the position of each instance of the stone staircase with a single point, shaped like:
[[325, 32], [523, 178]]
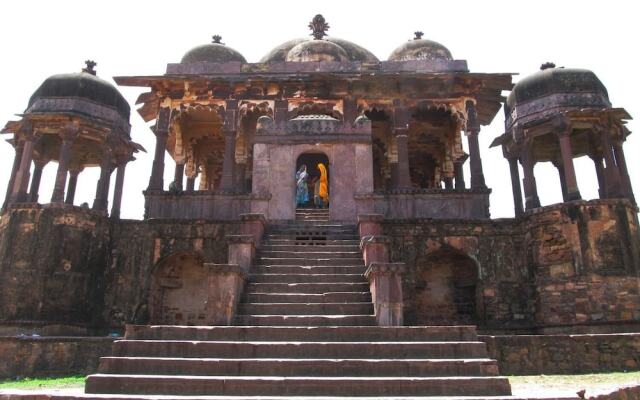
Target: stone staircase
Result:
[[305, 328]]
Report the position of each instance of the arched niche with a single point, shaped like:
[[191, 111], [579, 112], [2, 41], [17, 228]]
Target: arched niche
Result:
[[179, 291]]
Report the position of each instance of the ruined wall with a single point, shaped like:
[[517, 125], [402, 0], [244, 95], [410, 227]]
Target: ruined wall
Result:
[[51, 264], [72, 267], [554, 270], [585, 260], [138, 247]]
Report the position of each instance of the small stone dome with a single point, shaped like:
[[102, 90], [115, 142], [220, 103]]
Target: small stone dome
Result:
[[420, 49], [550, 80], [317, 50], [320, 48], [215, 52], [83, 84]]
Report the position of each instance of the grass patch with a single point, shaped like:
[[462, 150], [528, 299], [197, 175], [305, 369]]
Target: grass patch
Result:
[[76, 381]]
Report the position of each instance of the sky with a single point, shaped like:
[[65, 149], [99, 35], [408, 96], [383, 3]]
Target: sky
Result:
[[42, 38]]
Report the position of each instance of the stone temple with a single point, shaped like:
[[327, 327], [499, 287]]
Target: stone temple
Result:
[[229, 287]]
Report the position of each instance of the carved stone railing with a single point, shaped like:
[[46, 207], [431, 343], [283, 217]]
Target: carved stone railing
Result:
[[426, 203], [197, 205]]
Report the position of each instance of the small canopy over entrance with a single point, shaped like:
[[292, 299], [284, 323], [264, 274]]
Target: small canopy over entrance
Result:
[[312, 189]]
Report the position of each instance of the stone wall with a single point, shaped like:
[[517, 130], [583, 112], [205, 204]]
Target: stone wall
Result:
[[564, 354], [559, 269], [67, 266], [51, 356]]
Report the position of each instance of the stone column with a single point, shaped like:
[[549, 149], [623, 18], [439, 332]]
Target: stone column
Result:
[[156, 181], [35, 180], [19, 147], [385, 284], [102, 189], [564, 137], [563, 181], [191, 184], [178, 175], [515, 186], [623, 171], [240, 176], [71, 188], [602, 186], [68, 135], [229, 160], [448, 183], [403, 172], [19, 191], [611, 173], [281, 112], [529, 180], [459, 174], [117, 191], [475, 161]]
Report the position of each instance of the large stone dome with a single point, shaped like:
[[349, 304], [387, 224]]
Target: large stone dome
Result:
[[319, 48], [83, 85], [550, 80], [420, 49], [215, 52]]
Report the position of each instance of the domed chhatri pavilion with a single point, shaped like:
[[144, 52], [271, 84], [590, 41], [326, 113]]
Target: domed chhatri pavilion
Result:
[[253, 232]]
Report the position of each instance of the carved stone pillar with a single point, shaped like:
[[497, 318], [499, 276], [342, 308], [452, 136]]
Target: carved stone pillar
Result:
[[71, 187], [627, 189], [117, 190], [156, 181], [19, 148], [597, 162], [529, 180], [515, 186], [191, 184], [19, 191], [403, 172], [178, 175], [448, 183], [228, 162], [563, 130], [475, 161], [35, 180], [611, 172], [68, 135], [385, 284], [102, 189], [459, 175], [563, 181]]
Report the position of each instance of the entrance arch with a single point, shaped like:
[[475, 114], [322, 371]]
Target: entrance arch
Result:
[[446, 291], [311, 160], [179, 291]]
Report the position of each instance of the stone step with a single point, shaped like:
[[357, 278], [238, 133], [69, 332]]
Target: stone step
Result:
[[458, 333], [297, 367], [296, 386], [306, 308], [307, 288], [300, 237], [307, 269], [298, 243], [307, 278], [279, 349], [336, 297], [306, 320], [292, 247], [309, 253], [345, 261], [311, 230]]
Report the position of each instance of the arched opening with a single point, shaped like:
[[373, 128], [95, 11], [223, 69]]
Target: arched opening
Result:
[[179, 291], [446, 284], [312, 181]]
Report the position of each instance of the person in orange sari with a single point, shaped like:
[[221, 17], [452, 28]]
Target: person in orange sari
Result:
[[324, 185]]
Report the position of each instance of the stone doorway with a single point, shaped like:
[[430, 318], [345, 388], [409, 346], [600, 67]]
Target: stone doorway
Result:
[[446, 291], [311, 160], [179, 291]]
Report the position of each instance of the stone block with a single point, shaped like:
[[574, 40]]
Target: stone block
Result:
[[226, 282], [375, 249], [385, 283]]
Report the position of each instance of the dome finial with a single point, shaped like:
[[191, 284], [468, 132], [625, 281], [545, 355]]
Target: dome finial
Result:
[[89, 69], [418, 34], [547, 65], [216, 39], [319, 27]]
